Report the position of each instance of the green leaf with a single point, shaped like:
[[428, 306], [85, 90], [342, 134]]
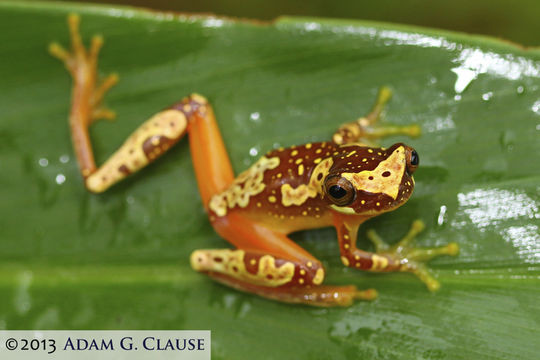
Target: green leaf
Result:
[[73, 260]]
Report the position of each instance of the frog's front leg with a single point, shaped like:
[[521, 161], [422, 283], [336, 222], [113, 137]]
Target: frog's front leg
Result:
[[270, 265], [367, 129], [401, 257]]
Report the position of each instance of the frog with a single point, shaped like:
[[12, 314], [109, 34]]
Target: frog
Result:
[[342, 183]]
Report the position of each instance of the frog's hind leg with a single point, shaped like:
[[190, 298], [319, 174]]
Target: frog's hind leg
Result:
[[269, 264], [148, 142], [87, 92], [367, 128]]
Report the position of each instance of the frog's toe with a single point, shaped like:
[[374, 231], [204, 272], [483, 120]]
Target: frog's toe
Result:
[[368, 294], [377, 241], [59, 52], [77, 53], [428, 253], [82, 65], [404, 244], [423, 273], [452, 249], [411, 258]]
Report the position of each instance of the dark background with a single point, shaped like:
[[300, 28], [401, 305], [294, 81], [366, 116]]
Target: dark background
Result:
[[517, 21]]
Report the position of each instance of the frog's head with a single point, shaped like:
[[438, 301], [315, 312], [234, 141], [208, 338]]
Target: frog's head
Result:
[[370, 181]]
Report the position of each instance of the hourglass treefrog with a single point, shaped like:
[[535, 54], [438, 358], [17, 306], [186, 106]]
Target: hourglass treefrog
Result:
[[340, 183]]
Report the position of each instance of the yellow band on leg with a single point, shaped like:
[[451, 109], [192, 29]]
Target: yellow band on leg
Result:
[[148, 142]]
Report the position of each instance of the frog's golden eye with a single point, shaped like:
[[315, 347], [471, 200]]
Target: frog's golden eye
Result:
[[340, 191]]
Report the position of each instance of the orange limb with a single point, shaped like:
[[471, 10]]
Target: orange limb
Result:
[[271, 265], [210, 159], [87, 92], [322, 295], [147, 143]]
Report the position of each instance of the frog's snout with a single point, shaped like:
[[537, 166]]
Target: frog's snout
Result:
[[413, 160]]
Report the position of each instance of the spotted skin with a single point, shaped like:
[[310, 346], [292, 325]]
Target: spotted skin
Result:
[[294, 200], [338, 183], [146, 144], [247, 185], [258, 269], [298, 201]]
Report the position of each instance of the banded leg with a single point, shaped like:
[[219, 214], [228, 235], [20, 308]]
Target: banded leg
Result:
[[148, 142], [151, 140], [366, 129], [269, 264], [402, 257]]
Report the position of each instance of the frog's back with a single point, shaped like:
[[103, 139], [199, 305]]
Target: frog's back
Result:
[[283, 186]]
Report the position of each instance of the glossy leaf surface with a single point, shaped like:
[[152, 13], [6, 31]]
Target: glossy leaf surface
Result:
[[72, 260]]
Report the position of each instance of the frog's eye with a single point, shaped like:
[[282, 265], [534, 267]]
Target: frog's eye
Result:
[[340, 191], [413, 160]]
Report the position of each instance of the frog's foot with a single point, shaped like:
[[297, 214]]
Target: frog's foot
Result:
[[275, 278], [367, 130], [88, 92], [405, 257]]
